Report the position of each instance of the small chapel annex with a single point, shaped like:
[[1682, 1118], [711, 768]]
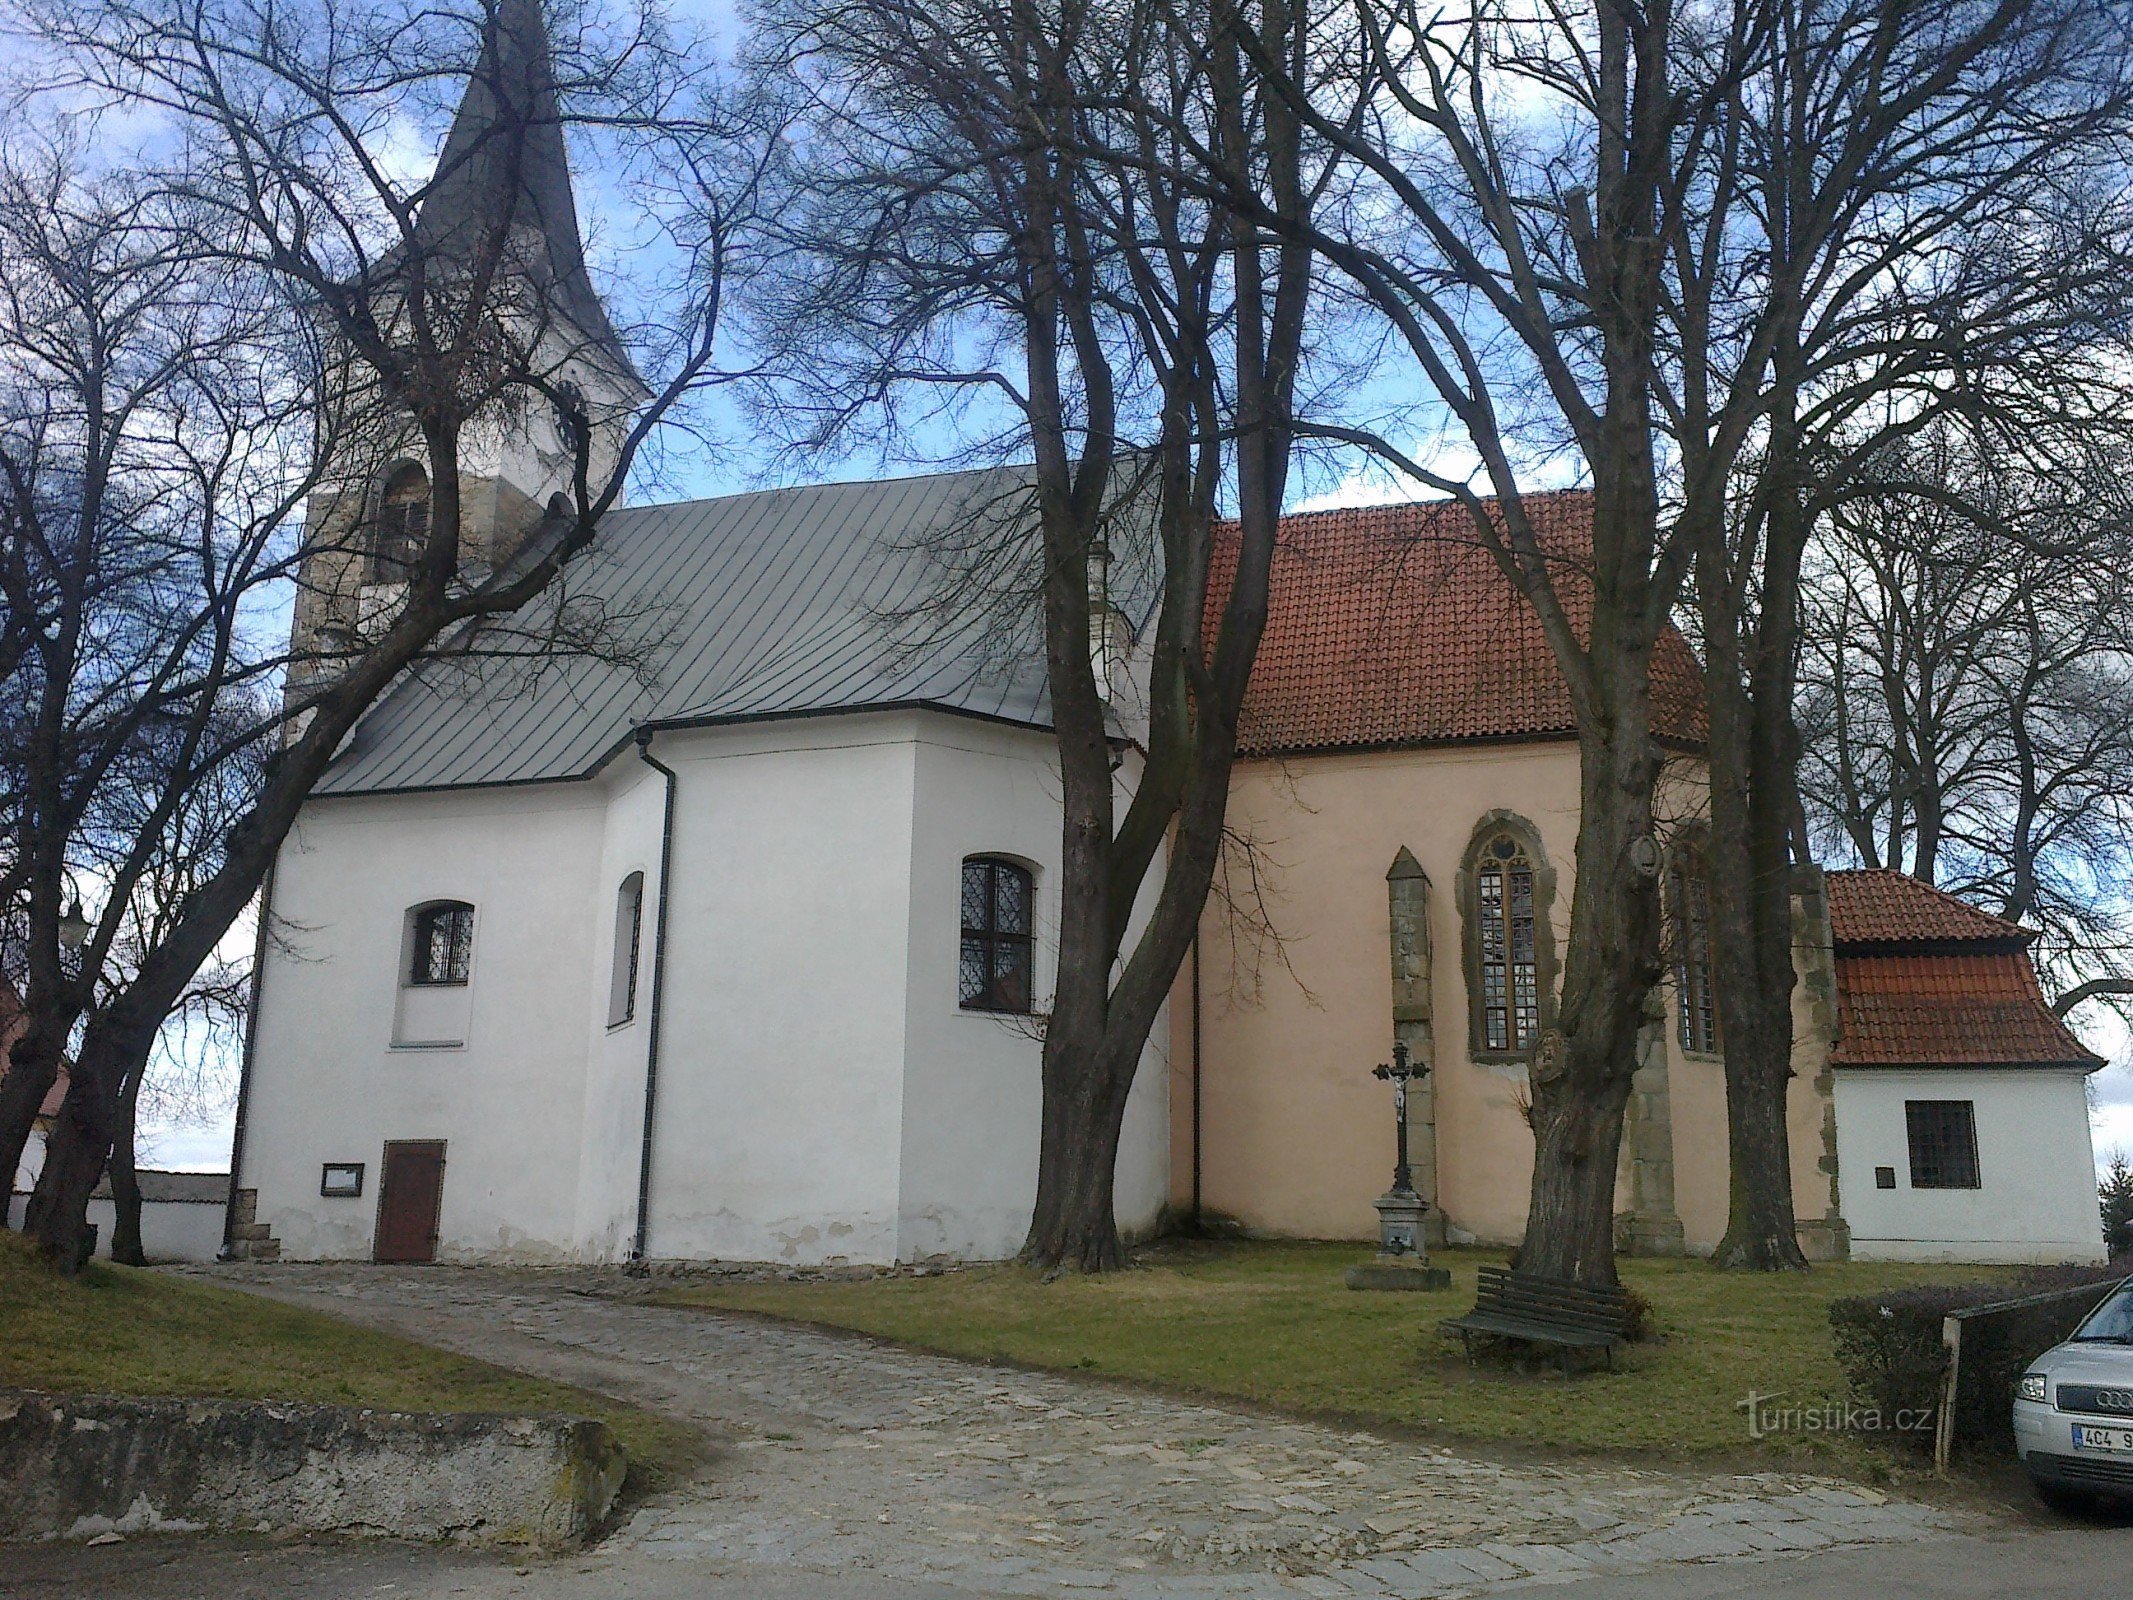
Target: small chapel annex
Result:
[[740, 948]]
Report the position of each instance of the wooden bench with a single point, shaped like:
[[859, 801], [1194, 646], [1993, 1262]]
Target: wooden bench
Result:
[[1570, 1316]]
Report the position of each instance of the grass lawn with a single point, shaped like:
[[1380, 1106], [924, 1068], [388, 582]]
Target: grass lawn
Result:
[[115, 1330], [1274, 1324]]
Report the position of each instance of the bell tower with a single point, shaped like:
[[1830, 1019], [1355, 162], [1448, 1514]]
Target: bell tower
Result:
[[498, 220]]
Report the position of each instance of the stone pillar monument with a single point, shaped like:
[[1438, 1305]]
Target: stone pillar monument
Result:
[[1409, 1221], [1651, 1226], [1407, 897]]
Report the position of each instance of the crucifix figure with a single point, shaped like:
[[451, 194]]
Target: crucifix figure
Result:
[[1400, 1071]]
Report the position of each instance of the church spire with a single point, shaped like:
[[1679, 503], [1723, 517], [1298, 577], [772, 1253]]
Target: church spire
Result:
[[504, 166]]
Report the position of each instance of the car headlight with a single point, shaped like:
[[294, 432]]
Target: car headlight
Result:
[[2031, 1387]]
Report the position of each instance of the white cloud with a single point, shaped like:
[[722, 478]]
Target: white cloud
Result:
[[202, 1147]]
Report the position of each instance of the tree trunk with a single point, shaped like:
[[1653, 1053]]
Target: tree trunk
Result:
[[1074, 1225], [125, 1185], [1750, 678], [33, 1067], [1583, 1067], [1750, 866], [80, 1147]]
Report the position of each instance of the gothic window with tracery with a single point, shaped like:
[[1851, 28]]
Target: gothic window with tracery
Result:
[[1509, 976]]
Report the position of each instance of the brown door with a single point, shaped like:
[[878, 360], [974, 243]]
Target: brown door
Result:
[[409, 1192]]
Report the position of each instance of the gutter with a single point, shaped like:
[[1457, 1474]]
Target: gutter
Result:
[[244, 1066], [659, 974]]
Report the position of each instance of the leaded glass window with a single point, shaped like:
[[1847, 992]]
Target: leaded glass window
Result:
[[443, 944], [1510, 979], [994, 973]]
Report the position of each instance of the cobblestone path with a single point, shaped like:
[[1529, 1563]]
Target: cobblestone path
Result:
[[841, 1455]]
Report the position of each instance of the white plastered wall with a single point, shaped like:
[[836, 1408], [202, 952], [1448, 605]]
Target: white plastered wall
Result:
[[2036, 1200], [328, 1084], [821, 1096], [782, 1035], [972, 1101]]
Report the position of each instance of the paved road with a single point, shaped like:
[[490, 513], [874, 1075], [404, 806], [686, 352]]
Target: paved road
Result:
[[845, 1470], [2079, 1564]]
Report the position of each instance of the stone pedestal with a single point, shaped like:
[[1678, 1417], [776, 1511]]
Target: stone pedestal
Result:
[[1401, 1261]]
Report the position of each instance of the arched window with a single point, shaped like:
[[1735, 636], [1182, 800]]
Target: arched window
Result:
[[1506, 889], [440, 944], [1510, 980], [573, 429], [401, 530], [994, 973], [1695, 996], [629, 925]]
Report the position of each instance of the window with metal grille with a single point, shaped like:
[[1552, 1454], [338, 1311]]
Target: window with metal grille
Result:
[[629, 924], [994, 973], [401, 529], [1509, 980], [1943, 1143], [441, 944], [1695, 996]]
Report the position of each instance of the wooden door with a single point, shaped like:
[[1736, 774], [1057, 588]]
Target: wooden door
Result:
[[410, 1189]]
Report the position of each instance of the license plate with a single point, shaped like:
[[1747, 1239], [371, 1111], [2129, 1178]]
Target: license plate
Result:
[[2118, 1441]]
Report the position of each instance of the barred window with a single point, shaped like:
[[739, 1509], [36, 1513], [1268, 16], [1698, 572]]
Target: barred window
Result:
[[1943, 1137], [1695, 995], [1509, 981], [401, 530], [994, 973], [441, 944]]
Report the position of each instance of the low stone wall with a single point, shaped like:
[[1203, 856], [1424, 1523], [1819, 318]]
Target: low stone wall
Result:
[[79, 1465]]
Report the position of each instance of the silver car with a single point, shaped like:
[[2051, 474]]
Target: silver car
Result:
[[2073, 1409]]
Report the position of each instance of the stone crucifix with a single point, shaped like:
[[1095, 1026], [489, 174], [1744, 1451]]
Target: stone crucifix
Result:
[[1402, 1261]]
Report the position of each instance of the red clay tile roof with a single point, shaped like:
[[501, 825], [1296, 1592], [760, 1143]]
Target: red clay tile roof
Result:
[[1949, 1010], [1879, 906], [1927, 980], [1393, 625]]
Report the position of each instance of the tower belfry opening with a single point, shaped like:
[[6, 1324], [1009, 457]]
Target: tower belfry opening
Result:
[[497, 260]]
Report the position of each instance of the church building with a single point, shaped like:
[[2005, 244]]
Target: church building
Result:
[[737, 943]]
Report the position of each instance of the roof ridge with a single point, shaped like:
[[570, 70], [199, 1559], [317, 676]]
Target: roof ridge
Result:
[[732, 495]]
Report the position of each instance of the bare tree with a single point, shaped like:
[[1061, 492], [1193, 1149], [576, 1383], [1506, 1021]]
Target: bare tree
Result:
[[432, 310], [120, 339], [1968, 693], [1894, 202], [1009, 227], [1520, 174], [1597, 227]]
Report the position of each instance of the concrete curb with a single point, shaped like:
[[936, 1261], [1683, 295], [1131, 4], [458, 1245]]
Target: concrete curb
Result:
[[75, 1466]]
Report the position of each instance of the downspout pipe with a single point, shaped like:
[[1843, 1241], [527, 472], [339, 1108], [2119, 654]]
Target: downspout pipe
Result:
[[639, 1243]]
